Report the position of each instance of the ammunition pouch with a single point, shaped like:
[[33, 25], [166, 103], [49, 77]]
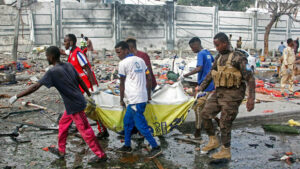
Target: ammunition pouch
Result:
[[227, 76]]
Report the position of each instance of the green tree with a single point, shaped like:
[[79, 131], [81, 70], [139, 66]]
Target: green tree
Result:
[[225, 5]]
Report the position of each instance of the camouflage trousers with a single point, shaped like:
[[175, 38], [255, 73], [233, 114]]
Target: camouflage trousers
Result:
[[198, 106], [229, 111]]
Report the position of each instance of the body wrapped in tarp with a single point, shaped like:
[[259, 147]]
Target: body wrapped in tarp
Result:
[[167, 109]]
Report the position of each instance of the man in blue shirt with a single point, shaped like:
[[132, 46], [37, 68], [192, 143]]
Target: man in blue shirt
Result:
[[281, 47], [204, 64]]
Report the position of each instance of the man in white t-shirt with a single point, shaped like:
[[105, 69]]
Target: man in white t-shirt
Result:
[[135, 85]]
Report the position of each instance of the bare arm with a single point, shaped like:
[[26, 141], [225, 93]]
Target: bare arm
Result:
[[251, 87], [90, 74], [241, 63], [149, 84], [122, 90], [30, 90], [196, 70]]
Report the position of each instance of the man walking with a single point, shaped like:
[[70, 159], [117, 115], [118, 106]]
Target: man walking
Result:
[[203, 67], [239, 43], [296, 46], [133, 49], [281, 47], [66, 80], [135, 85], [90, 50], [83, 67], [82, 42], [287, 68], [230, 73]]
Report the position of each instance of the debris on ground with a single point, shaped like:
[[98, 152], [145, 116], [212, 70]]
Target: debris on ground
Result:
[[188, 140], [279, 128], [253, 145], [166, 71], [47, 148], [219, 161], [269, 145], [292, 122], [268, 111]]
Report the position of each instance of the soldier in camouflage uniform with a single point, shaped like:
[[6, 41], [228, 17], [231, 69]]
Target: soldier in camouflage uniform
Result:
[[230, 72]]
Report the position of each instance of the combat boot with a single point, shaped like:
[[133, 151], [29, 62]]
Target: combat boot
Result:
[[213, 143], [224, 153]]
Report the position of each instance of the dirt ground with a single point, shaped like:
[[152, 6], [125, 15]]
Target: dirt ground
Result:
[[251, 146]]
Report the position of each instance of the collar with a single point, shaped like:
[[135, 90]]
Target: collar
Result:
[[130, 54], [225, 52]]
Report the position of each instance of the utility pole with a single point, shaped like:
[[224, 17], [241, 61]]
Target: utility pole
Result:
[[15, 43]]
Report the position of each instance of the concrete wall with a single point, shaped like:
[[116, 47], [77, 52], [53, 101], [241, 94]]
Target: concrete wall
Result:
[[194, 21], [95, 21], [160, 26]]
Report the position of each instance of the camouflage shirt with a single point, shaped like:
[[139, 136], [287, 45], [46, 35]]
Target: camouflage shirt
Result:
[[240, 62]]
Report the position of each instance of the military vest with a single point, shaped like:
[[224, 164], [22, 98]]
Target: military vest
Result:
[[226, 76]]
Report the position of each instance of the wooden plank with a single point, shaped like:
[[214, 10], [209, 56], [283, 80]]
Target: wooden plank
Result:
[[155, 160], [189, 140]]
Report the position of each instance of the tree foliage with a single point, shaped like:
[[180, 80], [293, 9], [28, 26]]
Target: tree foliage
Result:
[[226, 5], [278, 8]]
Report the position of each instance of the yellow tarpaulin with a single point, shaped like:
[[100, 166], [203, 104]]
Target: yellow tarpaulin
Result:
[[167, 110]]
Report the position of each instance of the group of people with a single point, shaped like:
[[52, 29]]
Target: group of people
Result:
[[87, 48], [238, 42], [281, 47], [221, 86]]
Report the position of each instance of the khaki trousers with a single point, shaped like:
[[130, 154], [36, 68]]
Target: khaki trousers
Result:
[[198, 109], [287, 79]]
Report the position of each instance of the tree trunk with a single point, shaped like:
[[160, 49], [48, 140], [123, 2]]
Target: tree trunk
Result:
[[17, 23], [267, 33], [15, 43]]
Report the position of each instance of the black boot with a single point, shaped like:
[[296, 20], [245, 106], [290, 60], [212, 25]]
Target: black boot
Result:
[[197, 134], [103, 135]]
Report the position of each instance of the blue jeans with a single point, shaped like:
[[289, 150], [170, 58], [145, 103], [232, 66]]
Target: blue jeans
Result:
[[135, 117]]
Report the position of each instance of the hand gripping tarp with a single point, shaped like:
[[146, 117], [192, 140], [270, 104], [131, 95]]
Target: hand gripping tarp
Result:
[[167, 109]]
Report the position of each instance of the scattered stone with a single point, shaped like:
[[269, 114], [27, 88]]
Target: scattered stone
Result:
[[272, 138], [269, 145], [253, 145], [219, 161]]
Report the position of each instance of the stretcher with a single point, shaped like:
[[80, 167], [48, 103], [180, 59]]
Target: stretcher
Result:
[[167, 109]]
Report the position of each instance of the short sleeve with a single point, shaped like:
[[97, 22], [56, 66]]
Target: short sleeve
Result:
[[121, 70], [144, 66], [211, 58], [47, 80], [200, 59], [147, 60], [81, 59]]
